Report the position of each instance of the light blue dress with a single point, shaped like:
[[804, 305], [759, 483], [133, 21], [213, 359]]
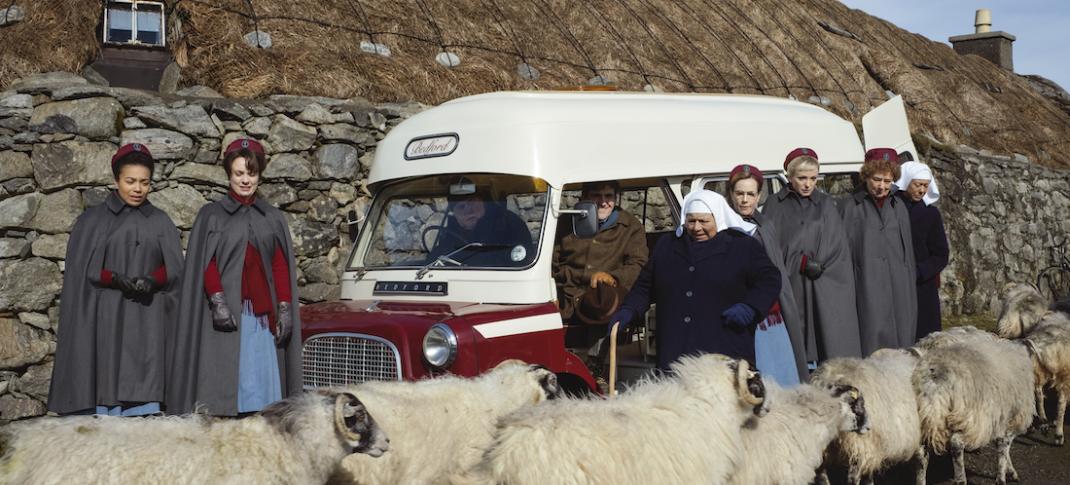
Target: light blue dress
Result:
[[773, 354], [136, 410], [258, 364]]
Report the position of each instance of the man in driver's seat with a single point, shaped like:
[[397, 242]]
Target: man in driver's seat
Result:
[[593, 275], [475, 218]]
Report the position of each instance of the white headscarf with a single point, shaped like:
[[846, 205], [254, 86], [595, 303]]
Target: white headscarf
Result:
[[709, 202], [918, 171]]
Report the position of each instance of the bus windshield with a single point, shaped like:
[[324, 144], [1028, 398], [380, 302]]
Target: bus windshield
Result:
[[456, 221]]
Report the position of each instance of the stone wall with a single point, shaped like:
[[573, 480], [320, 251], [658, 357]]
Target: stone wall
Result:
[[58, 132], [1006, 218], [57, 135]]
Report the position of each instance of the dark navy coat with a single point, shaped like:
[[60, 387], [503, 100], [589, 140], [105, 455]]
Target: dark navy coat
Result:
[[694, 282], [930, 257]]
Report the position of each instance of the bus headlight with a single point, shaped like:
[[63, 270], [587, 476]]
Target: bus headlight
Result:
[[440, 345]]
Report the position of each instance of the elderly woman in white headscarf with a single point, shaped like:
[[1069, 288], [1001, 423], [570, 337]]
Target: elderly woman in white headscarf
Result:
[[917, 187], [712, 282]]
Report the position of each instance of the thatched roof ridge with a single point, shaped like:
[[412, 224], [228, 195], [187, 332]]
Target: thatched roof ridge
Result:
[[817, 50]]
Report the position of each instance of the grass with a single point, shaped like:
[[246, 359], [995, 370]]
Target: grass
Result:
[[983, 321]]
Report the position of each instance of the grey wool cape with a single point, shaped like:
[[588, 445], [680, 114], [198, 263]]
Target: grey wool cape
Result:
[[767, 234], [826, 306], [883, 251], [203, 361], [111, 349]]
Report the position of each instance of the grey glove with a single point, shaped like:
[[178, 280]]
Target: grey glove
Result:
[[284, 322], [222, 319]]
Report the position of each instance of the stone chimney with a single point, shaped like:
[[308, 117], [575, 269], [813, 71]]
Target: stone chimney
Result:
[[994, 46]]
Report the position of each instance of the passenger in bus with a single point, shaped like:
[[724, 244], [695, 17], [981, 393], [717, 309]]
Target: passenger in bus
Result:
[[237, 345], [778, 340], [123, 264], [917, 188], [712, 282], [882, 246], [495, 236], [817, 259], [592, 273]]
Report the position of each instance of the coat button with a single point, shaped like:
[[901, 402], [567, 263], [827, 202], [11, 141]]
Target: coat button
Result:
[[691, 268], [689, 293], [687, 319]]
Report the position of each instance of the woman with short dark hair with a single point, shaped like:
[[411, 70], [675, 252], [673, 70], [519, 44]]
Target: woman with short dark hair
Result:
[[778, 339], [120, 281], [882, 248], [237, 346]]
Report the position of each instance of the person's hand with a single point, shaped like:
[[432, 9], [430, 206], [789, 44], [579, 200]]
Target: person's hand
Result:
[[739, 315], [284, 322], [222, 319], [602, 277], [810, 268], [624, 316], [124, 284], [145, 285]]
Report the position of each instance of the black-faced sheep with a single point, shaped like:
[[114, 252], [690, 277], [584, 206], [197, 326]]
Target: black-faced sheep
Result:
[[679, 429], [895, 429], [441, 426], [974, 393], [1027, 314], [786, 446], [301, 439]]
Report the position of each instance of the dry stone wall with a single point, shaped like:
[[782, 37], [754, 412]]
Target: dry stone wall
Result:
[[58, 133]]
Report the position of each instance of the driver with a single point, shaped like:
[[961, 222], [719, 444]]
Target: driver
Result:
[[475, 218]]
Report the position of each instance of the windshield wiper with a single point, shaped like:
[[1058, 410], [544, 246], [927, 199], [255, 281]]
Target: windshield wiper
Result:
[[447, 258]]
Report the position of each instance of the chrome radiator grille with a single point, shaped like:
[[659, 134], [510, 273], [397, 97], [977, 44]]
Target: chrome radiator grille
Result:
[[336, 359]]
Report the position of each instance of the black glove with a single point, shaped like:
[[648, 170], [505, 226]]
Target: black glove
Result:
[[284, 323], [624, 316], [812, 269], [145, 285], [124, 284], [222, 319]]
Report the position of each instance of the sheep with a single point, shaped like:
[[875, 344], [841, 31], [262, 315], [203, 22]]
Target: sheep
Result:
[[441, 426], [895, 431], [300, 439], [681, 428], [786, 446], [1024, 308], [1026, 313], [972, 393]]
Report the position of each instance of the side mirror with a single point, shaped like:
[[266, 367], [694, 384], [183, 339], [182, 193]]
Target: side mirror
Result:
[[585, 220], [353, 225]]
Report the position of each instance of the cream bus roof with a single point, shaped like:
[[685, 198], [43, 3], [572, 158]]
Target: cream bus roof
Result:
[[566, 137]]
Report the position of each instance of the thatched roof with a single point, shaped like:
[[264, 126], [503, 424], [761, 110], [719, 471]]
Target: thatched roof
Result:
[[815, 50]]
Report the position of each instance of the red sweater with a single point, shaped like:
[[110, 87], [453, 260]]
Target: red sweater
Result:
[[254, 283]]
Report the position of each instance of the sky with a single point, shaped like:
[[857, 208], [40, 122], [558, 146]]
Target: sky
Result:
[[1041, 26]]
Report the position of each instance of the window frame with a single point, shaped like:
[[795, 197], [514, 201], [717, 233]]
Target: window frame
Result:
[[133, 22]]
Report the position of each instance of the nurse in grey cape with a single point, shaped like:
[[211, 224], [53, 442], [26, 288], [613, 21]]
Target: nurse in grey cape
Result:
[[817, 260], [237, 345], [778, 341], [878, 228], [123, 263]]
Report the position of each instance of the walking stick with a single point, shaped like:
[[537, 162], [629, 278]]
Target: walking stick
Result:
[[613, 360]]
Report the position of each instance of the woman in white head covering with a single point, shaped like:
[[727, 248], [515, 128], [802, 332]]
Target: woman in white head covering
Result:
[[917, 187], [712, 282]]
